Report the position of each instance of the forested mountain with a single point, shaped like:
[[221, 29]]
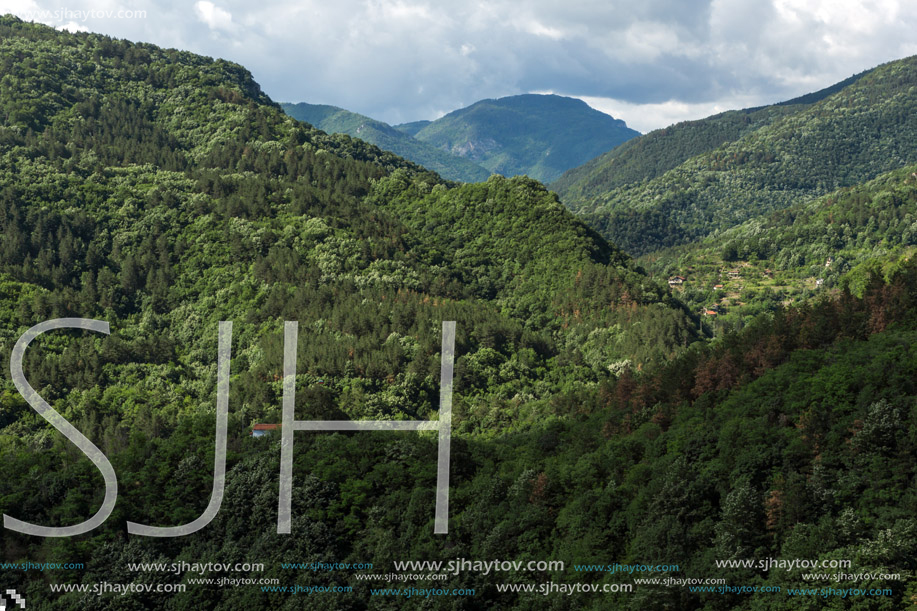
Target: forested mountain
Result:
[[334, 120], [413, 127], [780, 156], [540, 136], [657, 152], [537, 135], [661, 150], [163, 192], [847, 227], [794, 254]]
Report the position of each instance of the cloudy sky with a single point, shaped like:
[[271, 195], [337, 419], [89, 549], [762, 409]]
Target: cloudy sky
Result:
[[649, 62]]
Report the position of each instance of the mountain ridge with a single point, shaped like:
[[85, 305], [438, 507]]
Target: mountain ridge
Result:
[[537, 135], [533, 134], [332, 119], [851, 135], [677, 143]]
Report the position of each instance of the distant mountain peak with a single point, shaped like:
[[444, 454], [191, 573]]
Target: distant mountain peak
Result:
[[541, 135], [536, 134], [332, 119]]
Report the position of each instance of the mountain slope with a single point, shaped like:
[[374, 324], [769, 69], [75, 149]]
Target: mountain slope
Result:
[[846, 227], [797, 253], [334, 120], [657, 152], [188, 144], [163, 192], [413, 127], [654, 154], [538, 135], [850, 136]]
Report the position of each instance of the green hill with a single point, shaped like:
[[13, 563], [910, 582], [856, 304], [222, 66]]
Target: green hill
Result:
[[141, 182], [541, 136], [654, 154], [334, 120], [798, 152], [163, 192], [795, 254], [661, 150]]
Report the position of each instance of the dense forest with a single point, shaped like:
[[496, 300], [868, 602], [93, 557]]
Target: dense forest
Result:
[[163, 192], [336, 120], [794, 254], [661, 150], [540, 136], [694, 180], [593, 423]]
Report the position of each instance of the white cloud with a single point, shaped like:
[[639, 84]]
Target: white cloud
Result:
[[841, 15], [646, 41], [653, 60], [533, 26], [215, 17], [72, 26], [647, 117], [27, 10], [402, 11]]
